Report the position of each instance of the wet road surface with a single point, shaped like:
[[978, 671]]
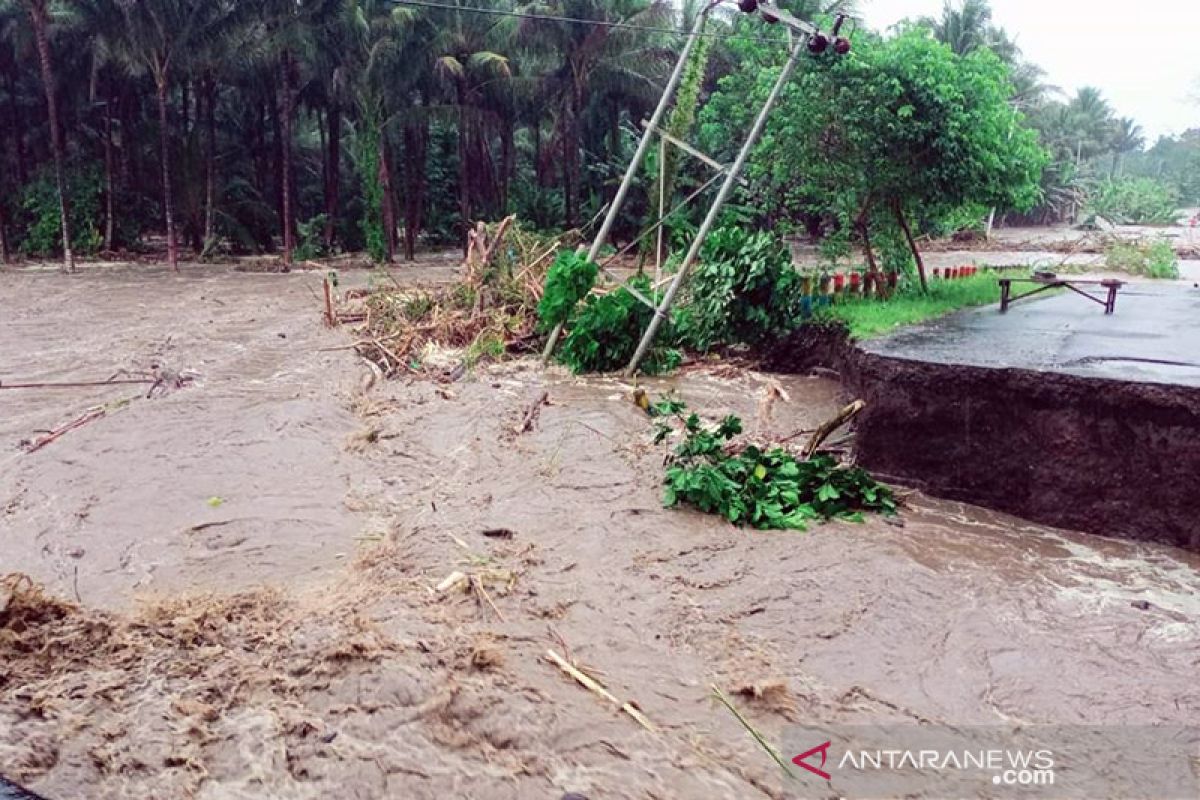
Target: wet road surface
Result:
[[1154, 336]]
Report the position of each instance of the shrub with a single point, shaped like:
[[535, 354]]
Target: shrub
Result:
[[41, 233], [1135, 201], [766, 489], [744, 290], [568, 282], [310, 244], [1155, 259]]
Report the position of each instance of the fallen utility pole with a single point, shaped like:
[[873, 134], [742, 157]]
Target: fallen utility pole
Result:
[[714, 210], [639, 156], [800, 36]]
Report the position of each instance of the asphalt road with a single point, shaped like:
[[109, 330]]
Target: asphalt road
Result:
[[1153, 337]]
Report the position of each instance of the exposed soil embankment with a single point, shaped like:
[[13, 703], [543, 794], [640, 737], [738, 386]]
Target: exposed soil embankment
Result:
[[1104, 456], [1118, 458]]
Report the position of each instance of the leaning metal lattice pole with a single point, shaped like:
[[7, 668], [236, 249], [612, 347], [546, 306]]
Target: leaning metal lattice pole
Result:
[[731, 179], [639, 156]]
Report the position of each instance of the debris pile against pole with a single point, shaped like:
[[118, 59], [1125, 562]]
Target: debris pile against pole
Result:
[[801, 36]]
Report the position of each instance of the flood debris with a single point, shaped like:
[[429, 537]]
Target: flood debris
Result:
[[488, 313], [531, 413], [757, 735], [91, 415], [596, 688]]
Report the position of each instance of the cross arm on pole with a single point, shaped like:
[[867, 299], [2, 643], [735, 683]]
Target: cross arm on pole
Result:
[[692, 151]]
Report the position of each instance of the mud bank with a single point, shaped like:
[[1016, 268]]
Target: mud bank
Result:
[[1111, 457], [1103, 456]]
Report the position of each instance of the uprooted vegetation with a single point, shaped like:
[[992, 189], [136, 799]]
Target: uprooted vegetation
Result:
[[765, 487], [492, 311], [521, 286]]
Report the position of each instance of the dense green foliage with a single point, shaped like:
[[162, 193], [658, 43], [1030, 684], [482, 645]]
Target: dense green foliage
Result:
[[1155, 259], [403, 125], [236, 123], [40, 218], [1174, 161], [765, 489], [568, 282], [905, 132], [1135, 201], [743, 290], [605, 332]]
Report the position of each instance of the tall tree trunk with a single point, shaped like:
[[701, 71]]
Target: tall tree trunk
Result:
[[4, 252], [507, 160], [389, 208], [416, 137], [276, 151], [210, 159], [260, 151], [538, 175], [287, 112], [464, 169], [333, 173], [17, 121], [864, 226], [40, 18], [128, 105], [912, 244], [185, 102], [571, 169], [110, 183], [164, 135]]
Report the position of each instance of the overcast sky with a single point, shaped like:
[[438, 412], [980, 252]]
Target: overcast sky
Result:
[[1146, 59]]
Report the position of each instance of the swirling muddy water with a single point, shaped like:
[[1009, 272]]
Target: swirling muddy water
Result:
[[353, 675]]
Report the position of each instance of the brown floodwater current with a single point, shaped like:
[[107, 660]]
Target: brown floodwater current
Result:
[[241, 575]]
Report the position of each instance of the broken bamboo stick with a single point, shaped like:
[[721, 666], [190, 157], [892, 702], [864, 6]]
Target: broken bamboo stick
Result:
[[78, 422], [822, 433], [75, 384], [330, 318], [598, 690], [531, 413]]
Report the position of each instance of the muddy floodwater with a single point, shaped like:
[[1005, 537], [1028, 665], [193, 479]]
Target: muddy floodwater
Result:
[[240, 575]]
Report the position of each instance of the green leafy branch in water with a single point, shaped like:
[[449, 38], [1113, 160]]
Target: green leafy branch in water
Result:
[[763, 488], [605, 332], [568, 281]]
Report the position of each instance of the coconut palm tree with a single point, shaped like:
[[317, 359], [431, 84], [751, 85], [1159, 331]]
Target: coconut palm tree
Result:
[[468, 59], [964, 27], [1093, 121], [156, 38], [1127, 138], [39, 16], [589, 58]]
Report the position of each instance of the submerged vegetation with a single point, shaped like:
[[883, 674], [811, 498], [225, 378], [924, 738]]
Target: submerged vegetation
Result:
[[1153, 259]]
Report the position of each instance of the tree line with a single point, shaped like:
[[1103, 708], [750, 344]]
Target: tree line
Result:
[[308, 127]]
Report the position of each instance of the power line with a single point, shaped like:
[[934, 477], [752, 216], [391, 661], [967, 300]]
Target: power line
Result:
[[496, 12]]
